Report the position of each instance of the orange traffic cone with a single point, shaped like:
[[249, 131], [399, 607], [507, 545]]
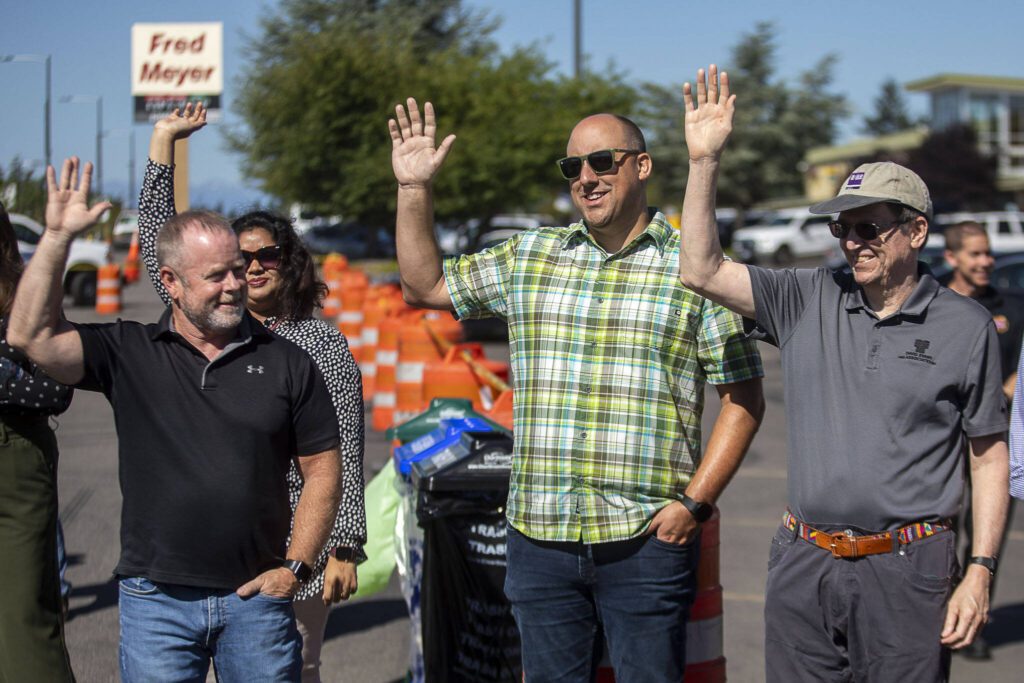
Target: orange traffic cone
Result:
[[108, 289], [131, 262]]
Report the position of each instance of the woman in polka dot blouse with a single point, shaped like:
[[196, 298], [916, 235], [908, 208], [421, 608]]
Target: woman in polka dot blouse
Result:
[[282, 293], [31, 620]]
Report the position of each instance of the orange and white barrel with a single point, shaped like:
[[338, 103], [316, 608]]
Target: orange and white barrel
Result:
[[108, 289], [383, 415], [705, 661], [416, 348], [375, 308], [131, 262]]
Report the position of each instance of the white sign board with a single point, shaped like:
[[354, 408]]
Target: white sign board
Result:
[[174, 63]]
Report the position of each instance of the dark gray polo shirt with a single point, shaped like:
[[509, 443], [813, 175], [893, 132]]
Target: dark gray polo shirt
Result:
[[878, 411]]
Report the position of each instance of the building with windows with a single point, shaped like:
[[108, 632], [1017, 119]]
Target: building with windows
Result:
[[992, 105]]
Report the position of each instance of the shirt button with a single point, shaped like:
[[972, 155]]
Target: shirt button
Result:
[[583, 435], [600, 299], [586, 390]]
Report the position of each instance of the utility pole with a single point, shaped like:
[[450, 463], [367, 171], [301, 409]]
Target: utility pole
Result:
[[577, 38]]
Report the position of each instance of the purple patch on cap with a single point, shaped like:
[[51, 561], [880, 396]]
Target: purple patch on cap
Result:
[[854, 181]]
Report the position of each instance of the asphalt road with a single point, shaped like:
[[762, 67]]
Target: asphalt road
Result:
[[367, 640]]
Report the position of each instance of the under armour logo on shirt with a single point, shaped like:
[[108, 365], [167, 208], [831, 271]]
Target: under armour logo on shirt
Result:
[[258, 369]]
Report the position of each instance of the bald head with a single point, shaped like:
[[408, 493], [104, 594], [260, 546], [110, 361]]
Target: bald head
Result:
[[624, 133]]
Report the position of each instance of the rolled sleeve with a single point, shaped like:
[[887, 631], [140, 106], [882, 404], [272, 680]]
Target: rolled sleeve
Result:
[[478, 283], [726, 354]]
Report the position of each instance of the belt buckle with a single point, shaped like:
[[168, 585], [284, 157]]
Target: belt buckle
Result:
[[843, 539]]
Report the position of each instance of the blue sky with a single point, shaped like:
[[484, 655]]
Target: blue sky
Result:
[[663, 41]]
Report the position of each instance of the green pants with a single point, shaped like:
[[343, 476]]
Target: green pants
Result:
[[31, 623]]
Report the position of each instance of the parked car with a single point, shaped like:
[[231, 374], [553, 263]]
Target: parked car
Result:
[[1005, 228], [1009, 272], [84, 259], [354, 240], [125, 228], [783, 237]]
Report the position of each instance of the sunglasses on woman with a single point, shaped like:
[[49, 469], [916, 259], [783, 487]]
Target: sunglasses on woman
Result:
[[601, 161], [865, 231], [269, 257]]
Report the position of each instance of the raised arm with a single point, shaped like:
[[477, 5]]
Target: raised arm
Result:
[[415, 162], [156, 200], [702, 266], [36, 326]]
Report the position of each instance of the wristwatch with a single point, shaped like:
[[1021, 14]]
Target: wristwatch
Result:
[[989, 563], [343, 554], [701, 511], [301, 570]]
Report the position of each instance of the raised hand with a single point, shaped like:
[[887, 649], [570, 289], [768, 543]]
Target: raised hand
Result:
[[180, 125], [413, 156], [708, 124], [67, 207]]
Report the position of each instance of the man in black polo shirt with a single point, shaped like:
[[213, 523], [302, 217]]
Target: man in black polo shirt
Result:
[[888, 378], [209, 407], [969, 255]]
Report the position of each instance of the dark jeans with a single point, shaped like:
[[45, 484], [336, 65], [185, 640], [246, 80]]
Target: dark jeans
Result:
[[637, 593], [31, 624], [170, 633], [875, 618]]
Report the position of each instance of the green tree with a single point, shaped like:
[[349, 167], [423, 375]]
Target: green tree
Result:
[[326, 76], [958, 175], [890, 114], [27, 190], [776, 123]]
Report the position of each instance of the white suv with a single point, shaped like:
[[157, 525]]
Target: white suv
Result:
[[1005, 228], [84, 260], [784, 236]]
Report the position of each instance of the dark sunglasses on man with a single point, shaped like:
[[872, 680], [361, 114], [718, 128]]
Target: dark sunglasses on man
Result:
[[601, 161], [865, 231], [268, 257]]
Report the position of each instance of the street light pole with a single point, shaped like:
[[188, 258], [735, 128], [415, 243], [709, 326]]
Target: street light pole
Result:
[[131, 162], [45, 59], [98, 99]]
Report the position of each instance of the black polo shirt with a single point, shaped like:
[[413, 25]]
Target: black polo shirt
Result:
[[1007, 309], [204, 446], [878, 410]]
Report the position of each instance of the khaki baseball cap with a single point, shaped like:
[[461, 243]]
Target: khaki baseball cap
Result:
[[883, 181]]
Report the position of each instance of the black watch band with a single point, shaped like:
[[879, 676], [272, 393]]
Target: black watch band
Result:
[[989, 563], [701, 511], [343, 554], [301, 570]]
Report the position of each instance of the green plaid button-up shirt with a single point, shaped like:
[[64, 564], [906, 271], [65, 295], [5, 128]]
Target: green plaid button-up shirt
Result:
[[610, 354]]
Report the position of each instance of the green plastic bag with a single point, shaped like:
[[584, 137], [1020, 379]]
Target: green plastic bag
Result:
[[382, 499]]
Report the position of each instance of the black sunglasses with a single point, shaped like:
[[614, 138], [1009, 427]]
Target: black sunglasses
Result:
[[600, 161], [865, 231], [269, 257]]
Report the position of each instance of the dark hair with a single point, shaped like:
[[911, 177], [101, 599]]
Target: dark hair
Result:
[[956, 233], [905, 214], [301, 291], [10, 262], [633, 133], [168, 242]]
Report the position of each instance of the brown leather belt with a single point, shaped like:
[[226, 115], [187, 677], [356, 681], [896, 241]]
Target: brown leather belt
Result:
[[846, 544]]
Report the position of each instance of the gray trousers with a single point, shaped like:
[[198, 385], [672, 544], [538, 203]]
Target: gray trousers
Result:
[[875, 618]]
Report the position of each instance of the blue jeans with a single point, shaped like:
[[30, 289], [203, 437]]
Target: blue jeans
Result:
[[170, 633], [637, 593]]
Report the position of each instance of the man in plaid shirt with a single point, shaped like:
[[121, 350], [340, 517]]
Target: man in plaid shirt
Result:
[[610, 356]]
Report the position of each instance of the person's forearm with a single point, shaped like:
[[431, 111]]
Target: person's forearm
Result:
[[734, 430], [35, 314], [990, 496], [419, 259], [161, 147], [317, 508], [700, 253]]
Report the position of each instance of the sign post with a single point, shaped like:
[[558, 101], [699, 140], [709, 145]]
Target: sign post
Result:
[[173, 64]]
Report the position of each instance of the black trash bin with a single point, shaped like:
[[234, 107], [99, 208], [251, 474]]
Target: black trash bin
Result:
[[468, 630]]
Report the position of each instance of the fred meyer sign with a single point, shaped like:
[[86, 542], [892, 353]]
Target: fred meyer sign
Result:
[[176, 63]]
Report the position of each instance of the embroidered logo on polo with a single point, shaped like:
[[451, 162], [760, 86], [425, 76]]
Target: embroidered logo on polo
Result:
[[254, 369], [918, 354], [1001, 323], [854, 181]]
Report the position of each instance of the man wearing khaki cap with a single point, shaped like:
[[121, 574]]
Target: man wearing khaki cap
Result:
[[887, 377]]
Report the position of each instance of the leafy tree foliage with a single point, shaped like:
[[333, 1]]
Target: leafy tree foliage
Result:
[[325, 76], [28, 191], [958, 175], [776, 122], [890, 114]]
